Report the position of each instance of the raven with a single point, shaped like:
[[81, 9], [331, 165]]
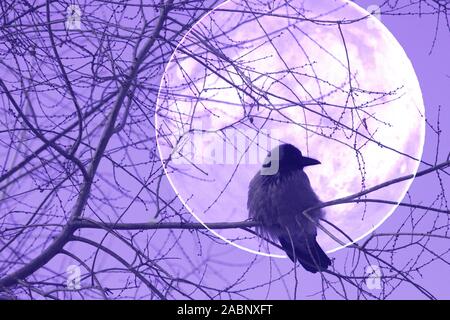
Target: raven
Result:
[[277, 197]]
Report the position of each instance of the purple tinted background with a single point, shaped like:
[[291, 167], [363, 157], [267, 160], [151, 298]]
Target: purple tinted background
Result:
[[433, 71], [416, 35]]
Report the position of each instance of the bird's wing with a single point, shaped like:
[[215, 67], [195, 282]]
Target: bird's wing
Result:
[[306, 251], [293, 195], [278, 203]]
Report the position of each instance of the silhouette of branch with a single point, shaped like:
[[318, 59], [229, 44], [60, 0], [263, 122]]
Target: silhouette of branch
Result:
[[65, 235]]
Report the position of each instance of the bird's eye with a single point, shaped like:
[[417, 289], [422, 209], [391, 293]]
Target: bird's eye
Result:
[[267, 164]]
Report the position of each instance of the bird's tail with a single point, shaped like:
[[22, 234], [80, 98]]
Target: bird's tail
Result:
[[308, 253]]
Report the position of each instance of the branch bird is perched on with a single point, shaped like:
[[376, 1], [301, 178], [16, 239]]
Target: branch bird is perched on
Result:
[[278, 194]]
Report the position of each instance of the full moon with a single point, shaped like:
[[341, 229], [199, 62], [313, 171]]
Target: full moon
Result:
[[323, 75]]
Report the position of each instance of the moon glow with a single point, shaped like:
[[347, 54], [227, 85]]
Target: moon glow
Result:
[[248, 77]]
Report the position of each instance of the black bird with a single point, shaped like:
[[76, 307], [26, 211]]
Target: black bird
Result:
[[277, 196]]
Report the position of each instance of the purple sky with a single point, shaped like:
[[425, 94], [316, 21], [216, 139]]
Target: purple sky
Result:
[[227, 264], [433, 70], [416, 36]]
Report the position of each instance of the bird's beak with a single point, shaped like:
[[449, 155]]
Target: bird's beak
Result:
[[309, 161]]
